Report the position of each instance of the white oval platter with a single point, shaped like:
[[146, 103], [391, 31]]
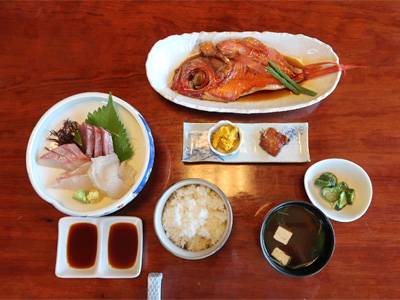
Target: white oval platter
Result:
[[76, 108], [169, 53]]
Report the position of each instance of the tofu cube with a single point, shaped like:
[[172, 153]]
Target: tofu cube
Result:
[[281, 256], [282, 235]]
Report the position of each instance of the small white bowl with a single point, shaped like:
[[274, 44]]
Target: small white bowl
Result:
[[76, 108], [215, 128], [346, 171], [168, 244], [101, 267]]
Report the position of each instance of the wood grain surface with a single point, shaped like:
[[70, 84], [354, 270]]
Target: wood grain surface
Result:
[[50, 50]]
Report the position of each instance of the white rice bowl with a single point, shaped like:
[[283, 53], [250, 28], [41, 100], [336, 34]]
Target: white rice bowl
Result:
[[193, 219]]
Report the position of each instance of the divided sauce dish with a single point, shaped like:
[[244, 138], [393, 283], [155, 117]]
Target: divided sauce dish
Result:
[[100, 267]]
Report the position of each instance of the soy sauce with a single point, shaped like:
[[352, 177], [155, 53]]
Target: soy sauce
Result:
[[82, 245], [122, 245], [307, 241]]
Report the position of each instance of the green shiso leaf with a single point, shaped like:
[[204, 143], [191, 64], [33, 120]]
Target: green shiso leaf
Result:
[[107, 117]]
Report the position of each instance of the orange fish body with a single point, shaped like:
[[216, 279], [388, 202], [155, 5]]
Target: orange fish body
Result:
[[234, 68]]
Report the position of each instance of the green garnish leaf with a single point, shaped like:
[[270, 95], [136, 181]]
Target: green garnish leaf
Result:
[[107, 117], [78, 140]]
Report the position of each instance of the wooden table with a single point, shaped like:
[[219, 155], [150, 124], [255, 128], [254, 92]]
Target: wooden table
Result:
[[50, 50]]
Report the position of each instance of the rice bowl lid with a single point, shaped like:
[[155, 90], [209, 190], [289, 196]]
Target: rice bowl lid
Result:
[[168, 244]]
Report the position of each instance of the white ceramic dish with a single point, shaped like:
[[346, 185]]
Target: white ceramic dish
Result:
[[197, 149], [101, 268], [168, 244], [76, 108], [215, 128], [346, 171], [169, 53]]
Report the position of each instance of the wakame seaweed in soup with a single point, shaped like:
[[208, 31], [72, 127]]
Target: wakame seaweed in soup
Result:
[[306, 242]]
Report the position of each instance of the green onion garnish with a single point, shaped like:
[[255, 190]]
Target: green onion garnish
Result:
[[287, 81], [282, 80]]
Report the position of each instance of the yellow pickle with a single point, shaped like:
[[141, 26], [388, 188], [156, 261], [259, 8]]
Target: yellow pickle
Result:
[[225, 138]]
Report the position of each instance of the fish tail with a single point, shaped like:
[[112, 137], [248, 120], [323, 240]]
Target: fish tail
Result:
[[324, 68]]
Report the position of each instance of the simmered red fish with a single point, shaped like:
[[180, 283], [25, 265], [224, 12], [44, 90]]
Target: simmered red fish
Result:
[[234, 68]]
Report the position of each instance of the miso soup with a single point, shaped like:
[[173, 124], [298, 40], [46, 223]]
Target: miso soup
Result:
[[304, 236]]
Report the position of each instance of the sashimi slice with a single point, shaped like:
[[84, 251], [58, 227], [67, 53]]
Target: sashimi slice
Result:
[[67, 157], [76, 179], [96, 140], [127, 173], [98, 144], [104, 174], [87, 133], [107, 141]]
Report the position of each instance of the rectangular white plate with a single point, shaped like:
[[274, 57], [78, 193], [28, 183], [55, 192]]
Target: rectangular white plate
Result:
[[197, 149], [101, 268]]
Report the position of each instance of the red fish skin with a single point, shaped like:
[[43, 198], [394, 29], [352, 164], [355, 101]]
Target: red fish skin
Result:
[[241, 81], [256, 51]]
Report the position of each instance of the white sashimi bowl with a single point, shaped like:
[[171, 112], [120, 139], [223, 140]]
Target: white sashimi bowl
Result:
[[168, 54], [76, 108]]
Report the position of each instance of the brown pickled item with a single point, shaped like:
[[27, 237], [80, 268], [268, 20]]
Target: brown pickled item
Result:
[[122, 245], [82, 245]]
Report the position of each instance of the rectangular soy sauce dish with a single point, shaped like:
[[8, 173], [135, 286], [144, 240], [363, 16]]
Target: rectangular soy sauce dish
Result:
[[101, 267]]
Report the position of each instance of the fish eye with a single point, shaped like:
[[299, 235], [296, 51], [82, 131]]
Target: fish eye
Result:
[[196, 79]]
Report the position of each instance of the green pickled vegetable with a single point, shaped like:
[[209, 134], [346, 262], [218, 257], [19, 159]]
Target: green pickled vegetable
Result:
[[331, 193], [326, 179], [339, 194], [350, 194], [341, 202], [343, 186]]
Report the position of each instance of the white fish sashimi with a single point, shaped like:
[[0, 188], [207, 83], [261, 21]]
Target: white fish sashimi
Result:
[[76, 179], [127, 173], [105, 173]]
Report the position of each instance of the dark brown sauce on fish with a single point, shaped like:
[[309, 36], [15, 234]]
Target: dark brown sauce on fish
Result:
[[306, 243], [82, 245], [122, 245]]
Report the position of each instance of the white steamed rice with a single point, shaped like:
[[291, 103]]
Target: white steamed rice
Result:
[[194, 217]]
